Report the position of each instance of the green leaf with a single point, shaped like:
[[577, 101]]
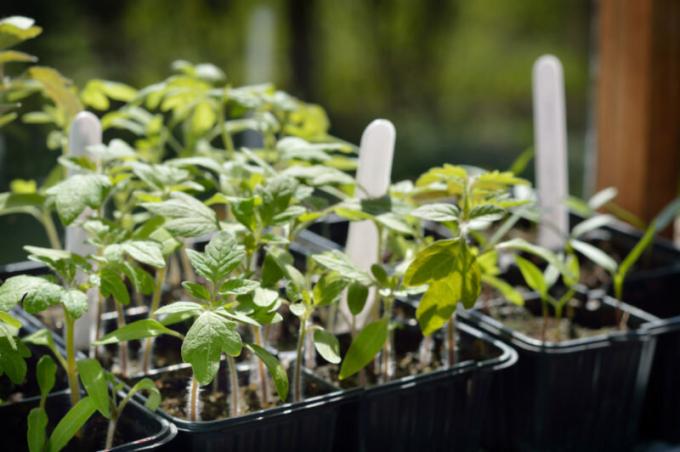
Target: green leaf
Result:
[[46, 374], [221, 256], [139, 329], [595, 255], [13, 56], [112, 284], [238, 286], [7, 319], [13, 359], [204, 117], [180, 307], [327, 345], [37, 427], [438, 304], [439, 212], [632, 257], [186, 216], [591, 224], [75, 194], [523, 245], [15, 29], [532, 275], [75, 302], [433, 262], [146, 252], [71, 423], [509, 293], [264, 297], [94, 379], [37, 293], [339, 262], [357, 294], [153, 398], [328, 289], [380, 274], [275, 369], [196, 290], [602, 197], [209, 337], [365, 346]]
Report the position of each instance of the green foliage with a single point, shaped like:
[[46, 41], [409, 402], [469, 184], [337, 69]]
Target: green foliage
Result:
[[364, 347]]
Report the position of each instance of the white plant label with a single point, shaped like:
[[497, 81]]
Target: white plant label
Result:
[[550, 138], [86, 130], [373, 181]]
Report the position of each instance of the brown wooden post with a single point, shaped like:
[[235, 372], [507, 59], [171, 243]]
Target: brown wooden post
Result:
[[638, 102]]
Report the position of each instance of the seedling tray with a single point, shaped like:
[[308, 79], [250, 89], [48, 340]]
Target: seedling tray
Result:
[[584, 394]]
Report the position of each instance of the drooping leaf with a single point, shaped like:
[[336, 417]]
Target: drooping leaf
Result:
[[591, 224], [594, 254], [438, 304], [433, 262], [112, 285], [327, 345], [37, 293], [365, 346], [275, 368], [209, 337], [94, 379], [357, 294]]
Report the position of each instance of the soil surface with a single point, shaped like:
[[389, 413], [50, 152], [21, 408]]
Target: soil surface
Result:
[[215, 400]]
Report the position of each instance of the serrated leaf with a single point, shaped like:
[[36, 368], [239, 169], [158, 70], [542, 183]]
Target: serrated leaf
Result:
[[339, 262], [209, 337], [221, 256], [37, 293], [96, 384], [364, 347], [197, 290], [433, 262], [327, 345], [238, 286], [146, 252], [328, 289], [439, 212], [186, 216], [78, 192]]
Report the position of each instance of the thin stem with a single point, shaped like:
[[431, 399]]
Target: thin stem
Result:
[[544, 328], [71, 370], [186, 265], [51, 231], [234, 408], [264, 387], [451, 342], [388, 348], [110, 431], [122, 346], [193, 400], [297, 376], [98, 324], [155, 303], [226, 136]]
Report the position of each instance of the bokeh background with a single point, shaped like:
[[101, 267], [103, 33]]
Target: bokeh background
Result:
[[453, 75]]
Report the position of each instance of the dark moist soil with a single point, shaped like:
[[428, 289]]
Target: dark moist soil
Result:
[[215, 398], [410, 358], [9, 392]]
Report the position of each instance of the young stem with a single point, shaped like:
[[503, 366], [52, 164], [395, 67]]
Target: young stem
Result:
[[122, 346], [71, 370], [233, 386], [51, 231], [226, 136], [618, 294], [297, 376], [110, 431], [186, 265], [558, 317], [155, 303], [99, 308], [264, 389], [193, 400], [451, 342], [387, 359]]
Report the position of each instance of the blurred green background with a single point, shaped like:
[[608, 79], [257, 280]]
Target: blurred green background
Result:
[[453, 75]]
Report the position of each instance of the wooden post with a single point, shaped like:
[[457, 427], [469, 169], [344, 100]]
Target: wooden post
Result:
[[638, 102]]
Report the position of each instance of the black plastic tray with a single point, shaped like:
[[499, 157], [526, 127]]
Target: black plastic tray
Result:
[[147, 430], [584, 394]]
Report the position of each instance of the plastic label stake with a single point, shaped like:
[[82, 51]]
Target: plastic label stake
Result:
[[86, 130], [550, 138], [373, 181]]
